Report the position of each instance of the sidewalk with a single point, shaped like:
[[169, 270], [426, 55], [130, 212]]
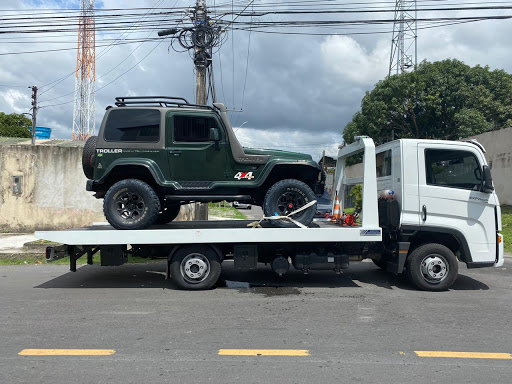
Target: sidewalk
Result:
[[13, 242]]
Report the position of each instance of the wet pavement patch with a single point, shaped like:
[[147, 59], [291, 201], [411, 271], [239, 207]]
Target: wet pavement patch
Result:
[[268, 291]]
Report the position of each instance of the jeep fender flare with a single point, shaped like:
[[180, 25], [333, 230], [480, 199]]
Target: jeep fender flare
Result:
[[148, 164], [274, 167]]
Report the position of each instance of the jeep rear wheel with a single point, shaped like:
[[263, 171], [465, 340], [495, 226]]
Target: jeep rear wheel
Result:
[[131, 204], [285, 197], [89, 148]]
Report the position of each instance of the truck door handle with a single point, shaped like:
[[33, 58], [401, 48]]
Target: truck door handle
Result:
[[175, 152], [424, 210]]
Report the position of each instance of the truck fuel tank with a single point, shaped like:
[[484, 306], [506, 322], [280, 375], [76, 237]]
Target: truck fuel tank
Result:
[[313, 261]]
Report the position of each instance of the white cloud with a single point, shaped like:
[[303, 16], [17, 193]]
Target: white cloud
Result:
[[15, 100], [351, 62]]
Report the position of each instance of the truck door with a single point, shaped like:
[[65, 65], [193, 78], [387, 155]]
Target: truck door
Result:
[[193, 155], [450, 197]]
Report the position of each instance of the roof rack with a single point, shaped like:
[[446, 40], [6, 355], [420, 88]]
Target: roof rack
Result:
[[161, 101]]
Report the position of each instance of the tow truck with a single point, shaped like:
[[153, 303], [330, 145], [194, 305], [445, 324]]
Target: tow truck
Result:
[[426, 206]]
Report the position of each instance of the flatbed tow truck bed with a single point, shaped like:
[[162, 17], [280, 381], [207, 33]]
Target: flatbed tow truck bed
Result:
[[212, 232], [196, 249]]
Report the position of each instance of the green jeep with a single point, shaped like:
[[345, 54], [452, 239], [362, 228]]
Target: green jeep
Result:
[[153, 154]]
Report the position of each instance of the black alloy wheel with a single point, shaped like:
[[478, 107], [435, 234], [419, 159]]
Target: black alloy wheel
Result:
[[287, 196], [131, 204]]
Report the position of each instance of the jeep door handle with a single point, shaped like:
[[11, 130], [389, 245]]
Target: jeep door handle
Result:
[[424, 210], [175, 152]]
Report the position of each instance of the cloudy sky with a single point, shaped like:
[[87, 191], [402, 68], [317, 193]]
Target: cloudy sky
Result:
[[293, 92]]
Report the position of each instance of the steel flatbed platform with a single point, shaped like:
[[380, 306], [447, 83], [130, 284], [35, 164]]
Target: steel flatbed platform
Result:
[[212, 232]]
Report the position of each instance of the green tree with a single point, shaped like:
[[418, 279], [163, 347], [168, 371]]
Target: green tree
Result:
[[14, 125], [441, 100]]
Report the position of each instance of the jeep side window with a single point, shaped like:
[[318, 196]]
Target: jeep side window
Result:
[[140, 125], [454, 169], [193, 128]]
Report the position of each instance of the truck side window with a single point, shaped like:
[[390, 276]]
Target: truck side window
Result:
[[383, 160], [193, 128], [140, 125], [454, 169]]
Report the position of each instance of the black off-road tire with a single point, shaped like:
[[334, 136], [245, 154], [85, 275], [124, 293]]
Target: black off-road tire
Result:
[[195, 256], [299, 193], [89, 148], [131, 196], [432, 267], [168, 213]]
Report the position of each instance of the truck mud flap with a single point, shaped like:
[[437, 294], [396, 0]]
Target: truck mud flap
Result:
[[397, 263]]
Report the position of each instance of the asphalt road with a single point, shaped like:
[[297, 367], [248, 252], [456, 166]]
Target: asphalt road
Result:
[[363, 326]]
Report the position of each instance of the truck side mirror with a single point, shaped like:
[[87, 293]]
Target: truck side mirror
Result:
[[487, 186]]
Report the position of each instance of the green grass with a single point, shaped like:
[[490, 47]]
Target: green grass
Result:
[[42, 242], [215, 209], [506, 220]]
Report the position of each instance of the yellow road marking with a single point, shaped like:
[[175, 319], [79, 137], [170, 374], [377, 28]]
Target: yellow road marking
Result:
[[67, 352], [464, 355], [264, 352]]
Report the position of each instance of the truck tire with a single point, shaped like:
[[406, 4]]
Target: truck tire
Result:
[[131, 204], [89, 148], [432, 267], [287, 196], [168, 213], [195, 267]]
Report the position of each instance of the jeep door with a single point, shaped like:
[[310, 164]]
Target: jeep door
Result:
[[193, 156], [450, 197]]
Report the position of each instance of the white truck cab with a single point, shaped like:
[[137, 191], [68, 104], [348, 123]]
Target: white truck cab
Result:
[[444, 191]]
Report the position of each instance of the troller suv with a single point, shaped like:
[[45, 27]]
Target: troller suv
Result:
[[153, 154]]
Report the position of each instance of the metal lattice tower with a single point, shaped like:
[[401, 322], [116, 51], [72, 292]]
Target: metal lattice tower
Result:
[[404, 45], [84, 105]]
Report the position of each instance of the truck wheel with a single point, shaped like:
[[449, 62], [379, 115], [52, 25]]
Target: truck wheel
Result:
[[131, 204], [287, 196], [432, 267], [195, 267], [89, 148], [168, 213]]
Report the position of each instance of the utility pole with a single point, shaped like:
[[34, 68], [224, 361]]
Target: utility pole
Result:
[[202, 56], [201, 38], [34, 113]]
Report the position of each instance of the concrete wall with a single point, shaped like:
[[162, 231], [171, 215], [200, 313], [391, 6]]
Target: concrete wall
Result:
[[498, 145], [53, 188]]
